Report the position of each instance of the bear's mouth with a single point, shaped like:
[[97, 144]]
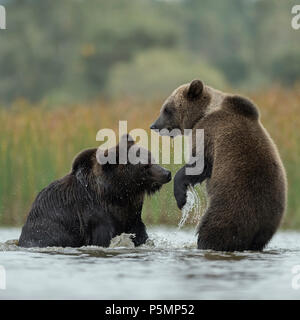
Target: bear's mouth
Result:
[[154, 187]]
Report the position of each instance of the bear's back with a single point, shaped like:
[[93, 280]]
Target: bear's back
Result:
[[246, 164], [242, 106]]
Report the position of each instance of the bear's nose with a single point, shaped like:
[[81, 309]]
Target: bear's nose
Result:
[[169, 176], [153, 126]]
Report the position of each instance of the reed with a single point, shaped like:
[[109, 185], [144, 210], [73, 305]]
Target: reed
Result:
[[38, 144]]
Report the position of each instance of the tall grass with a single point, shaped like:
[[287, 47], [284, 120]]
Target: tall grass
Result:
[[38, 144]]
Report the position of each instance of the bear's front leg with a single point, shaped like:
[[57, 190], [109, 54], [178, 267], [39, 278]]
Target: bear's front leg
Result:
[[180, 187], [101, 235], [139, 230], [182, 181]]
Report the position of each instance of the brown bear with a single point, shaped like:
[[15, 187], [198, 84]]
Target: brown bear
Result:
[[245, 179], [94, 203]]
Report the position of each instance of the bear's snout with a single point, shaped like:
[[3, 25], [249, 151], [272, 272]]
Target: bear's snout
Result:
[[156, 125], [168, 176], [159, 124], [153, 126], [161, 175]]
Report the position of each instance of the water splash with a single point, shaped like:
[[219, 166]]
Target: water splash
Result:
[[193, 204], [123, 240], [188, 207]]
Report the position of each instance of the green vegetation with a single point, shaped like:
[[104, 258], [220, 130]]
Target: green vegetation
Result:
[[63, 51], [38, 145]]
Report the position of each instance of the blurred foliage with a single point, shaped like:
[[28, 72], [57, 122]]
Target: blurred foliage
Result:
[[62, 50], [43, 142], [156, 72]]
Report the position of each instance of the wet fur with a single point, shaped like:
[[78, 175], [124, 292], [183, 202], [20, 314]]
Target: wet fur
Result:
[[89, 206]]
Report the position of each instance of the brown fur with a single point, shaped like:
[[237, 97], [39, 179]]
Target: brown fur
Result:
[[245, 178]]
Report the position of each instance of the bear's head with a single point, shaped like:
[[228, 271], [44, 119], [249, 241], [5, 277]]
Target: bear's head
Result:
[[105, 171], [183, 108]]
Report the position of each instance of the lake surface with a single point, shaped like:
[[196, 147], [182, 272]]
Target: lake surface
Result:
[[168, 267]]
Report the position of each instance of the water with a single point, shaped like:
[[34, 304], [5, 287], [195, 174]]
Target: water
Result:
[[193, 204], [168, 267]]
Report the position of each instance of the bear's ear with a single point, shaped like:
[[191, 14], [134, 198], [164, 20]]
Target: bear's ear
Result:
[[83, 160], [195, 89], [127, 137], [126, 142], [110, 158], [124, 145]]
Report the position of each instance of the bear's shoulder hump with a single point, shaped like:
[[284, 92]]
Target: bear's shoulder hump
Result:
[[242, 106]]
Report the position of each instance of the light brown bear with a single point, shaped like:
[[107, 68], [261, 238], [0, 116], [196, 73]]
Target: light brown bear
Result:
[[245, 178]]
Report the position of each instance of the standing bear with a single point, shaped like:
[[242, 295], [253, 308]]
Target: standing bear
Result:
[[94, 202], [245, 179]]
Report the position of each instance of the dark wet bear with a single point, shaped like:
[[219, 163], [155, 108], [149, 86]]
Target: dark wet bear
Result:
[[245, 178], [94, 203]]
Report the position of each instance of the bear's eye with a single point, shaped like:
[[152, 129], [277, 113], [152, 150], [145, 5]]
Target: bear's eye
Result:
[[168, 111]]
